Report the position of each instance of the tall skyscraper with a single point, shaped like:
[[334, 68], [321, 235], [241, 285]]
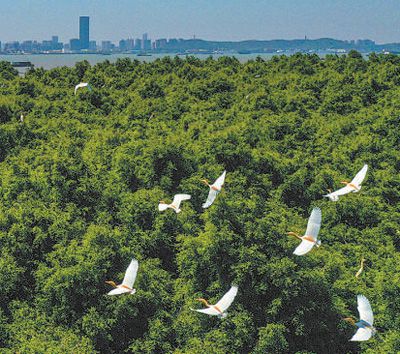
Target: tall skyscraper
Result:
[[84, 32]]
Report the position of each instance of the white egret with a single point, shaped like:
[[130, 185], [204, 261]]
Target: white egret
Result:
[[127, 283], [310, 237], [353, 186], [178, 198], [361, 267], [215, 189], [219, 309], [365, 326], [82, 84]]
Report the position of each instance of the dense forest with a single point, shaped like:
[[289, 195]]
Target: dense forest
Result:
[[81, 177]]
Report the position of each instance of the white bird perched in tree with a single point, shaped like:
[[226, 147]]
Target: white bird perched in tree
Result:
[[219, 309], [310, 237], [178, 198], [215, 189], [127, 283], [82, 84], [353, 186], [365, 326]]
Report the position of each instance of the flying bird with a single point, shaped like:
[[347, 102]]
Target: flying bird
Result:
[[219, 309], [82, 84], [353, 186], [361, 267], [365, 326], [127, 283], [178, 198], [215, 189], [310, 237]]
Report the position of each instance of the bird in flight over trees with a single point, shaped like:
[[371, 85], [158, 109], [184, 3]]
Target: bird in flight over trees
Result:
[[127, 283], [178, 198], [82, 84], [215, 189], [310, 237], [353, 186], [219, 309], [365, 326]]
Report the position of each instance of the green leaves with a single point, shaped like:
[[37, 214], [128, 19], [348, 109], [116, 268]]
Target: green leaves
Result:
[[82, 175]]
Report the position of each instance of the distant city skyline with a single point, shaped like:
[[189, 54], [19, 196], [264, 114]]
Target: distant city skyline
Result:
[[229, 20]]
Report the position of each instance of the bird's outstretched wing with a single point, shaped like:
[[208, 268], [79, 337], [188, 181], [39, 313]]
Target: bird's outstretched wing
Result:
[[227, 299], [178, 198], [304, 247], [117, 291], [162, 206], [82, 84], [219, 182], [208, 311], [314, 223], [361, 335], [130, 274], [357, 180], [212, 194], [341, 191], [365, 310]]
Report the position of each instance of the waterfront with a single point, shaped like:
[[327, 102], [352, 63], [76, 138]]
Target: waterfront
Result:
[[49, 61]]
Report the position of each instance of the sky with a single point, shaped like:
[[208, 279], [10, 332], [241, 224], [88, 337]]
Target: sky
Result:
[[378, 20]]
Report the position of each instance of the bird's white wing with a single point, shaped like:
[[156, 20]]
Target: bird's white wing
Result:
[[361, 335], [227, 299], [304, 247], [342, 191], [211, 197], [118, 291], [357, 180], [162, 206], [208, 311], [178, 198], [314, 223], [365, 310], [130, 274], [219, 182], [82, 84]]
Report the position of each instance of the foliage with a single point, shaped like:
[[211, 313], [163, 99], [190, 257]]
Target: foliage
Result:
[[81, 177]]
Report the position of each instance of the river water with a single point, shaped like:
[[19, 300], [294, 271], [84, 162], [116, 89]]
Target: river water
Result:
[[49, 61]]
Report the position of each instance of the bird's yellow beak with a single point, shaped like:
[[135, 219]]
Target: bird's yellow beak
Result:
[[204, 181], [344, 182]]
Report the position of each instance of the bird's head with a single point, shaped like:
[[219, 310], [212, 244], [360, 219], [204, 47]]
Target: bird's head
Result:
[[205, 182], [112, 283], [205, 302], [162, 202], [329, 190], [350, 320]]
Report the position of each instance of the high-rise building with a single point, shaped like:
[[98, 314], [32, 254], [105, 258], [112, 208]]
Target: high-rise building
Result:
[[74, 44], [160, 43], [106, 46], [146, 43], [138, 43], [84, 32], [92, 45]]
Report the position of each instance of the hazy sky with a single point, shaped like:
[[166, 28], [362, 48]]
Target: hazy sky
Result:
[[207, 19]]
